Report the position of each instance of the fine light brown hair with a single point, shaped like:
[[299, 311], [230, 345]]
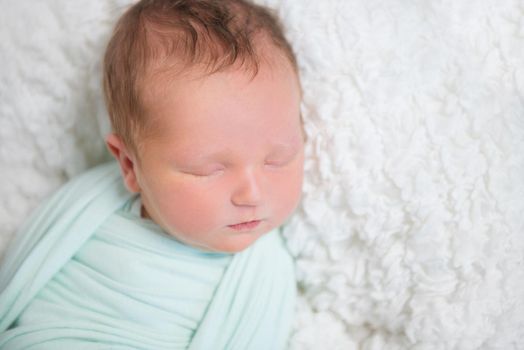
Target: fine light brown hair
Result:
[[166, 37]]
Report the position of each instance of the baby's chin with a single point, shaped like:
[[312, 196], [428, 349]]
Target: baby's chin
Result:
[[241, 242], [230, 243]]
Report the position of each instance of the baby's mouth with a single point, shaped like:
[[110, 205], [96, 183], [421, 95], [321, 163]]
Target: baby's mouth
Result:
[[244, 226]]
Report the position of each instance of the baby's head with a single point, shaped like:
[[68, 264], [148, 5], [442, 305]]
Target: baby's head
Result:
[[204, 101]]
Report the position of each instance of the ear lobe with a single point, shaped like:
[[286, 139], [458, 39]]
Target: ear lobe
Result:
[[125, 160]]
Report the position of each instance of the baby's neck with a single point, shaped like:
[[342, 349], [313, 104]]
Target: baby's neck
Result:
[[143, 213]]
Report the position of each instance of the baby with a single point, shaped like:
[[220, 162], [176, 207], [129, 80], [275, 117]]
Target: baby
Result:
[[204, 98]]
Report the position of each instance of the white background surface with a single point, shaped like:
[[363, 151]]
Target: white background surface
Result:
[[411, 230]]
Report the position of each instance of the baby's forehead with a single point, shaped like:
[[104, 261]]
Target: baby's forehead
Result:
[[175, 105], [162, 78]]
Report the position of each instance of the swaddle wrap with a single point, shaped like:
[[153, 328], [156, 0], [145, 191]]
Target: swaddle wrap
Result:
[[86, 273]]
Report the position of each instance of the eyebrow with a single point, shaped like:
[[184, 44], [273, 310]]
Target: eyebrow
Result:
[[203, 157]]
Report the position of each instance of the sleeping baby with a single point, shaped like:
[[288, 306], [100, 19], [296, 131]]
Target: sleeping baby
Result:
[[176, 245]]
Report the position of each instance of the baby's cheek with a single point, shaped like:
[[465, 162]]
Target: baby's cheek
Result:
[[288, 193], [194, 211]]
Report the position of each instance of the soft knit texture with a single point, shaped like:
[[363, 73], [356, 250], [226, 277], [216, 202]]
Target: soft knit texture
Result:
[[411, 230]]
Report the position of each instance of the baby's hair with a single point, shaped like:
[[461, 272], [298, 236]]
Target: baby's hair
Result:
[[162, 38]]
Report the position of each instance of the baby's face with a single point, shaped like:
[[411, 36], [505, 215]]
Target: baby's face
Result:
[[227, 164]]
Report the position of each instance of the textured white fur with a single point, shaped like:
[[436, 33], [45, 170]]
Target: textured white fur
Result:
[[411, 230]]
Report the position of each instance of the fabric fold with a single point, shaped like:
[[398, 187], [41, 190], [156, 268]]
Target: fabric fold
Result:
[[43, 244], [86, 273]]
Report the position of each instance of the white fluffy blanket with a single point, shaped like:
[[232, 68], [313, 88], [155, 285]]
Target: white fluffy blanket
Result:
[[411, 231]]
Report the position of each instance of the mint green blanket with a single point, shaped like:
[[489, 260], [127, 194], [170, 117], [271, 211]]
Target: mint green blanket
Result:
[[85, 273]]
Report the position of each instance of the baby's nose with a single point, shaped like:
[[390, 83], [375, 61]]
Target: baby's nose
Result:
[[247, 191]]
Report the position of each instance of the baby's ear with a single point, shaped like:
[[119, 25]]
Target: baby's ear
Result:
[[126, 161]]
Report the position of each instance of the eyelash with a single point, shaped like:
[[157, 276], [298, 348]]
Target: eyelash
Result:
[[277, 163], [204, 174], [281, 162], [274, 164]]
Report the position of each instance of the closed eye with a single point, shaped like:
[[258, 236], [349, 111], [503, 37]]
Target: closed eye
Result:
[[208, 174], [280, 161], [204, 172]]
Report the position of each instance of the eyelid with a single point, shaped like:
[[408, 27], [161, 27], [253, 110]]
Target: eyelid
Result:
[[211, 171], [282, 160]]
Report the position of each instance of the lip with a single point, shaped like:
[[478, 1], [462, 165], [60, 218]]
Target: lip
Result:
[[245, 226]]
